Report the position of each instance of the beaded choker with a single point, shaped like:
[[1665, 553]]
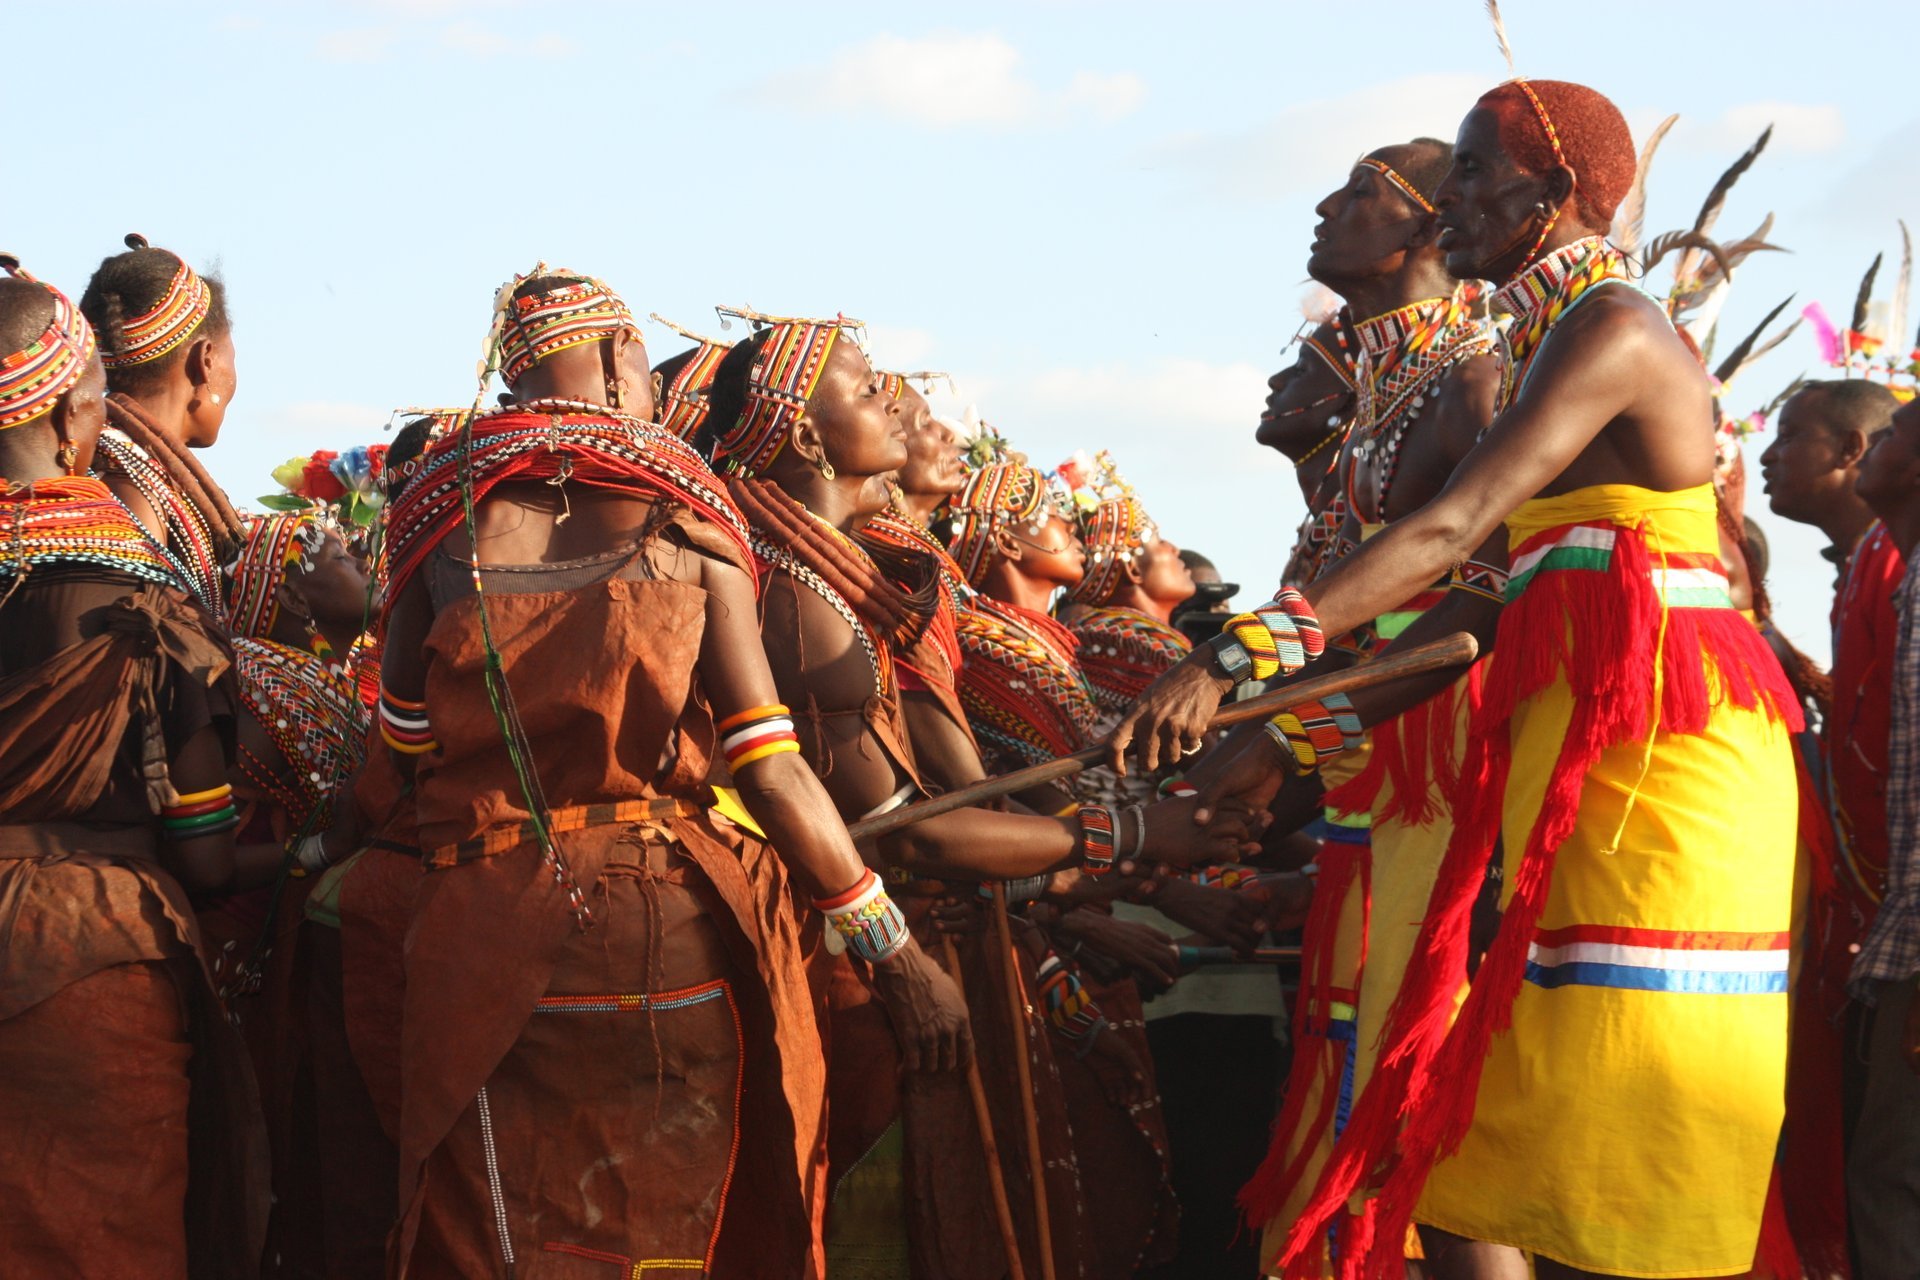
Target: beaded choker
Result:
[[167, 324], [33, 379], [75, 520], [1544, 292]]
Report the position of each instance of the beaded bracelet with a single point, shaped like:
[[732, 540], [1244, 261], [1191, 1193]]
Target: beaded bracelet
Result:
[[1177, 787], [1485, 580], [1315, 732], [204, 813], [403, 725], [1280, 636], [866, 919], [757, 733], [310, 855], [1023, 889], [1096, 839], [1069, 1008]]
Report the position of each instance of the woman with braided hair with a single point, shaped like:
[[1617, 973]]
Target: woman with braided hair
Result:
[[132, 1143], [168, 348], [608, 1053], [812, 436]]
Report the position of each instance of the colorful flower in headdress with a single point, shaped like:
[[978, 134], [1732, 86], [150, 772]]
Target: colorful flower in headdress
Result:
[[783, 378], [577, 309], [352, 483], [274, 544], [33, 379], [1004, 492], [168, 323], [1112, 524]]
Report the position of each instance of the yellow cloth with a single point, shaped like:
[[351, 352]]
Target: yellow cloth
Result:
[[1623, 1130]]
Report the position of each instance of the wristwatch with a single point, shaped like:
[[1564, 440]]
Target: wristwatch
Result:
[[1230, 657]]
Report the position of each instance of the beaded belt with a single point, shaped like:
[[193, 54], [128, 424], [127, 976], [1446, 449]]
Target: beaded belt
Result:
[[571, 818]]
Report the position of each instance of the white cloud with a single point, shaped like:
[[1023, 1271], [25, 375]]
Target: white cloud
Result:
[[1308, 147], [948, 79], [357, 44], [482, 42], [1809, 128]]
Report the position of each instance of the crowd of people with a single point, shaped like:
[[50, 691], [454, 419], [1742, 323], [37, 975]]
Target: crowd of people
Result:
[[716, 817]]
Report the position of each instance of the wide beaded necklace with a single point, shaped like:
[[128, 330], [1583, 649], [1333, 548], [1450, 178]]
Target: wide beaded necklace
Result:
[[75, 520], [1539, 296], [312, 711], [189, 536], [1403, 356]]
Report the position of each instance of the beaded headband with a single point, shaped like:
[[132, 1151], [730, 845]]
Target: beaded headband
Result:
[[274, 545], [33, 379], [1394, 176], [682, 400], [1546, 121], [580, 309], [998, 494], [782, 380], [170, 322]]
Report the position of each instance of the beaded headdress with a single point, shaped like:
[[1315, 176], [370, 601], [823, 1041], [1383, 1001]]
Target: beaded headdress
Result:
[[578, 309], [168, 323], [783, 378], [1112, 524], [273, 546], [1003, 490], [33, 379], [680, 402]]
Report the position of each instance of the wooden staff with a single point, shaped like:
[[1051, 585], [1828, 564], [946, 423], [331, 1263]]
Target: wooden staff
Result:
[[1456, 650], [983, 1117], [1017, 1006]]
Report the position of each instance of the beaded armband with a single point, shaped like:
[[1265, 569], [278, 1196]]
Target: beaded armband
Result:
[[866, 919], [403, 725], [1096, 839], [1280, 636], [1069, 1008], [755, 734], [1481, 580], [1315, 732], [204, 813], [1176, 787]]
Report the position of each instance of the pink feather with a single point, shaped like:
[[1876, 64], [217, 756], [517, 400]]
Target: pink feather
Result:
[[1824, 333]]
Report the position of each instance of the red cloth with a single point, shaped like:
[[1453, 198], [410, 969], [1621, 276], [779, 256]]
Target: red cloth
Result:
[[1856, 733]]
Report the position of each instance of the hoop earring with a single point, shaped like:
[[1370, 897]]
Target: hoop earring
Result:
[[69, 456], [826, 470]]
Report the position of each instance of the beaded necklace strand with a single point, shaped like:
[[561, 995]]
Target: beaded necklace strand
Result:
[[1539, 296], [1414, 347]]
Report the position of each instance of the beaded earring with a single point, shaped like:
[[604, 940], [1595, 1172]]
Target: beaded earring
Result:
[[69, 456]]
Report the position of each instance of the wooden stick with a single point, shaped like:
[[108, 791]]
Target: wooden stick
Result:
[[983, 1117], [1456, 650], [1017, 1006]]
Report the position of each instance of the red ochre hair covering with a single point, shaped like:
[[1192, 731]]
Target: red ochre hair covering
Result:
[[1593, 136]]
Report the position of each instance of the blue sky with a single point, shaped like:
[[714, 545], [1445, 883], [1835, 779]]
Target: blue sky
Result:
[[1094, 215]]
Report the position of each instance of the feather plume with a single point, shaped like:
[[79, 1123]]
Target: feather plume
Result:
[[1500, 34], [1864, 298], [1717, 198], [1832, 351], [1744, 350], [1902, 288], [1692, 241], [1630, 221]]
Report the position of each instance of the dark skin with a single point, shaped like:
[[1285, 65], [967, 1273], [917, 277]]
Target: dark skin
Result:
[[1303, 400], [1614, 398], [188, 399], [1809, 469], [523, 524], [33, 450], [1889, 482]]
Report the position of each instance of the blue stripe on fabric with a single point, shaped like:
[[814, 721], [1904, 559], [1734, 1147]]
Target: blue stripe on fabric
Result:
[[1626, 977]]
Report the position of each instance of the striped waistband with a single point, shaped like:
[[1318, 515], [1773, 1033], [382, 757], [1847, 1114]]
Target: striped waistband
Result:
[[572, 818], [1686, 961], [1684, 579]]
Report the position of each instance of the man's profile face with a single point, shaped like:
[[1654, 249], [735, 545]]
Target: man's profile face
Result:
[[1366, 227], [1485, 201], [1889, 474], [1805, 466]]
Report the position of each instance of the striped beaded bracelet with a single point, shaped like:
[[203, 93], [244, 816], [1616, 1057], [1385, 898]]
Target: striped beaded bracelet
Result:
[[204, 813], [1280, 636], [1069, 1008], [866, 919], [1022, 890], [403, 725], [1096, 839], [755, 734], [1312, 733]]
